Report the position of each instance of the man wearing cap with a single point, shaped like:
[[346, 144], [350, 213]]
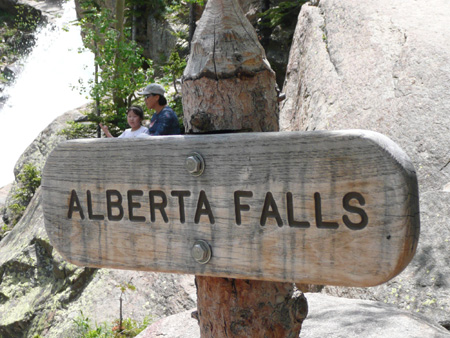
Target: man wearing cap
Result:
[[164, 121]]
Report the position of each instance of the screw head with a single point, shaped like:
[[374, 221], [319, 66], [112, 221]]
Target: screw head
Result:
[[195, 164], [201, 251]]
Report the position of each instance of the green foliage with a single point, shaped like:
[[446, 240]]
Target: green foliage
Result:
[[126, 286], [120, 63], [174, 69], [277, 15], [27, 19], [76, 130], [84, 328], [28, 182], [180, 8], [15, 37], [5, 18], [16, 211], [130, 327], [120, 328], [407, 299], [122, 68], [144, 8]]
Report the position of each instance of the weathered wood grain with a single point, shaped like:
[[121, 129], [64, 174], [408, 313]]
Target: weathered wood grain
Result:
[[281, 169], [228, 83]]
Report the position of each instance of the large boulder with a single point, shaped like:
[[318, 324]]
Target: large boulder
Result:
[[329, 317], [334, 317], [37, 152], [384, 66]]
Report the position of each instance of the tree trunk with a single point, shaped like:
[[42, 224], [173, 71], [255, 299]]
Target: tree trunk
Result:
[[120, 15], [249, 308], [228, 85]]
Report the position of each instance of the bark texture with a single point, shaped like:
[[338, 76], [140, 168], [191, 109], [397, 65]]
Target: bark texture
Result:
[[228, 83], [244, 308]]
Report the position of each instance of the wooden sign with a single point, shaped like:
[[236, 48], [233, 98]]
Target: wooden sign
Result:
[[336, 208]]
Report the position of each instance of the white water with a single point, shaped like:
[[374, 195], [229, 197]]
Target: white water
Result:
[[42, 90]]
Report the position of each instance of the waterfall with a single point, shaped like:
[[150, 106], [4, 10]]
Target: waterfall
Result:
[[43, 90]]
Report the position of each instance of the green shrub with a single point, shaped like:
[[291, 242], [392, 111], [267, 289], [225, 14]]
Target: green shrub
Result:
[[130, 327], [27, 18], [282, 13], [28, 182], [84, 328], [120, 67], [76, 130]]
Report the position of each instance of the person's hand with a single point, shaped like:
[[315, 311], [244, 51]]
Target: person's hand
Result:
[[105, 130]]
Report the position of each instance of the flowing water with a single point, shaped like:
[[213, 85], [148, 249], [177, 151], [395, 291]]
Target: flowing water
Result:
[[43, 90]]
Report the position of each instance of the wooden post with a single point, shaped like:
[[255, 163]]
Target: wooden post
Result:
[[228, 85]]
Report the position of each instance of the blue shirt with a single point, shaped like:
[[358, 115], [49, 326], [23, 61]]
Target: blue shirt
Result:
[[164, 123]]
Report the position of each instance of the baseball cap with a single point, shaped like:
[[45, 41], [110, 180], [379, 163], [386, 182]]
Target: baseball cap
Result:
[[153, 88]]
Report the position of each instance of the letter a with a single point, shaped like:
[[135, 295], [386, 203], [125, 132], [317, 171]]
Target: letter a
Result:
[[270, 202], [203, 201], [74, 205]]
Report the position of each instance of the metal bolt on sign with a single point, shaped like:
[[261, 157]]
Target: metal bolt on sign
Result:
[[195, 164], [201, 251]]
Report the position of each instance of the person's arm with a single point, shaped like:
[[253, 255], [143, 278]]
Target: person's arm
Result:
[[105, 130]]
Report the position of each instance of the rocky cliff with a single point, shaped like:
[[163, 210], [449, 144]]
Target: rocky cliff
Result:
[[384, 66]]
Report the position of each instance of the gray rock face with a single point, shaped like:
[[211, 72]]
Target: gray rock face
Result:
[[384, 66], [180, 325], [340, 317], [377, 66], [37, 152]]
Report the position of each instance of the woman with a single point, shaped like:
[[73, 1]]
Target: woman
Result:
[[135, 115], [164, 121]]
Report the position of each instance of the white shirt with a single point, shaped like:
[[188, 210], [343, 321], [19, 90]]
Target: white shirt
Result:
[[128, 133]]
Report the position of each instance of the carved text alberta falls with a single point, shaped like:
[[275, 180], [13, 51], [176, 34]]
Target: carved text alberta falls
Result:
[[115, 209]]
